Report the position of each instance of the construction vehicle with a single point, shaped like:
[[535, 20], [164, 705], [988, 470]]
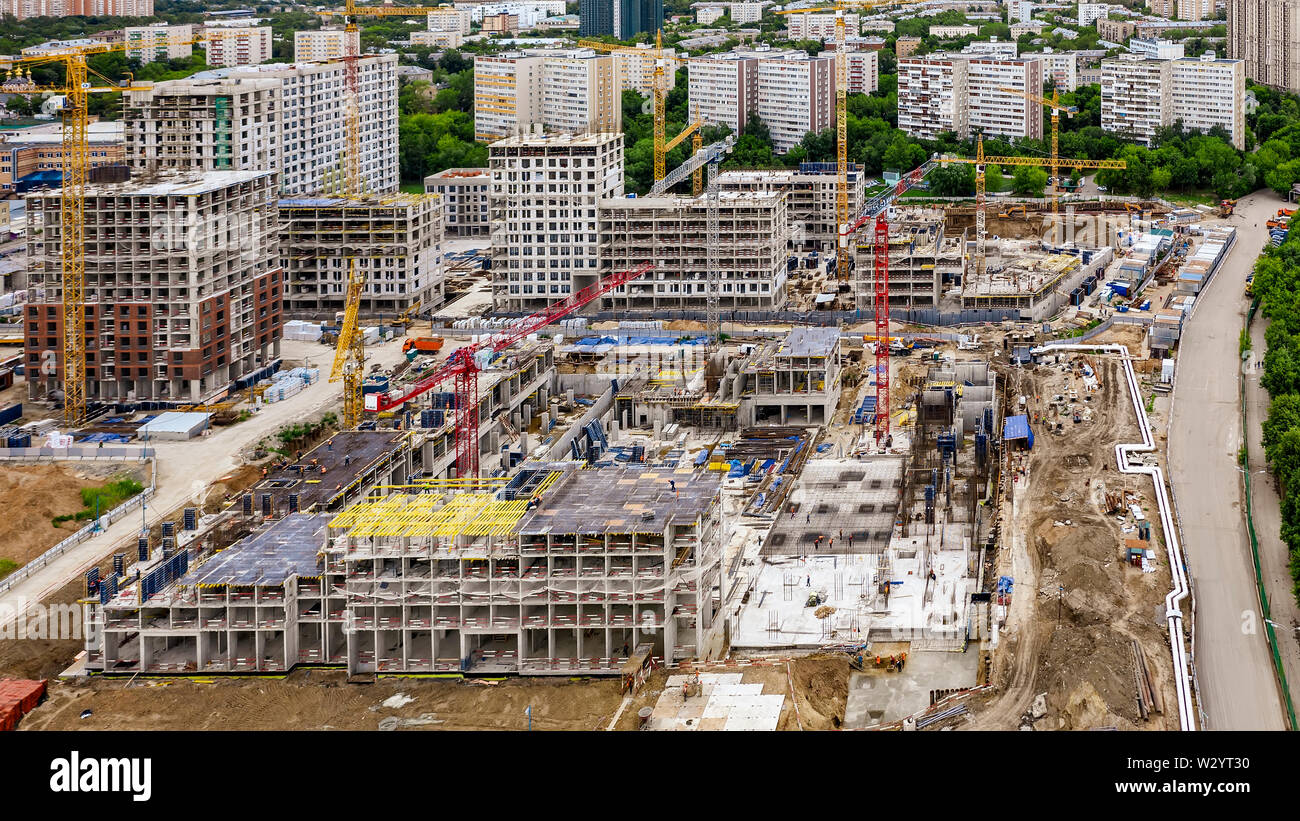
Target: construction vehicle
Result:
[[1250, 285], [1226, 207], [1285, 212], [416, 345], [464, 364], [1277, 223]]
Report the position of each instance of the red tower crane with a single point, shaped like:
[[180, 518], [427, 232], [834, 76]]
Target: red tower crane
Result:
[[463, 367]]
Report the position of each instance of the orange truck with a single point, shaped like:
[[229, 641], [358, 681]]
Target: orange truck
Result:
[[416, 345]]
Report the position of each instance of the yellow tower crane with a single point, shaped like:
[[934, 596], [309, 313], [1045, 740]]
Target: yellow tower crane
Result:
[[981, 161], [841, 117], [350, 353], [1054, 103], [75, 91], [659, 93]]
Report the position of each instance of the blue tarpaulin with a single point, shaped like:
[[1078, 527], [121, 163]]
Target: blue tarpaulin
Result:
[[1017, 427]]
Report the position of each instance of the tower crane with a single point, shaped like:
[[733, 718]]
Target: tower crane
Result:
[[350, 353], [1054, 104], [842, 115], [75, 91], [659, 89], [980, 161], [465, 364]]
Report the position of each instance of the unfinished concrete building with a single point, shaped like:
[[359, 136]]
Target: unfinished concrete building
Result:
[[810, 194], [673, 232], [183, 286], [790, 381], [1028, 283], [922, 260], [395, 240], [562, 570]]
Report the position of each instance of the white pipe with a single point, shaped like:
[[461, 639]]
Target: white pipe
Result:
[[1173, 612]]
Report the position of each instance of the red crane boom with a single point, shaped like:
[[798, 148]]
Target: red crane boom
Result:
[[462, 367]]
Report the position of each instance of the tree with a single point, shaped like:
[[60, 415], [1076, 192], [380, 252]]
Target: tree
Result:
[[952, 180], [1283, 415], [1028, 181]]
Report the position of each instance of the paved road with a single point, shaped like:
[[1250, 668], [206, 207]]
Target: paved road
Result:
[[185, 469], [1268, 524], [1237, 687]]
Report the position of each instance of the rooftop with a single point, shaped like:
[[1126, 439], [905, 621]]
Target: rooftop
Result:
[[346, 457], [617, 500], [289, 547]]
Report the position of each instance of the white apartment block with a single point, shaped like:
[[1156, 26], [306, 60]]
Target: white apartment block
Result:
[[878, 26], [1062, 68], [212, 125], [672, 232], [437, 39], [158, 42], [450, 18], [324, 45], [953, 32], [546, 193], [1209, 92], [528, 14], [636, 70], [1136, 98], [704, 15], [1020, 11], [312, 129], [238, 46], [796, 95], [820, 26], [464, 194], [742, 13], [507, 94], [932, 97], [581, 93], [1090, 12], [863, 70], [999, 49], [994, 111], [1155, 49], [723, 88]]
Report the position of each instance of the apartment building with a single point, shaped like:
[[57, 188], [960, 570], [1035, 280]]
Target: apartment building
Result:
[[796, 95], [500, 24], [707, 15], [810, 193], [581, 92], [1061, 68], [1116, 31], [325, 45], [507, 94], [183, 286], [1155, 49], [1090, 13], [231, 46], [906, 46], [672, 232], [437, 39], [546, 191], [1209, 93], [1183, 9], [450, 18], [395, 241], [999, 49], [863, 70], [312, 123], [27, 151], [1020, 11], [160, 41], [623, 19], [1136, 98], [932, 97], [723, 88], [992, 110], [464, 194], [25, 9], [636, 70], [953, 32], [743, 13], [820, 26], [1266, 35]]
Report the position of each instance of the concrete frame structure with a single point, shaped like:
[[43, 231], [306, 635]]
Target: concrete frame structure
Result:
[[810, 193], [922, 260], [183, 286], [791, 381], [464, 194], [396, 241]]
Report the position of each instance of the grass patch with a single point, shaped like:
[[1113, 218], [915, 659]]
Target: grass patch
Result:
[[7, 566], [101, 499], [412, 188], [1243, 341]]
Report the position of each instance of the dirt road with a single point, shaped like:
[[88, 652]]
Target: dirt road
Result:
[[1237, 687]]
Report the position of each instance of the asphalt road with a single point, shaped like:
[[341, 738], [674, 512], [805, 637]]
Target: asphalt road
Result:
[[1238, 689]]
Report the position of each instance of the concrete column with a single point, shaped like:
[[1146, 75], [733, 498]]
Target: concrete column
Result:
[[526, 412], [568, 396], [659, 428]]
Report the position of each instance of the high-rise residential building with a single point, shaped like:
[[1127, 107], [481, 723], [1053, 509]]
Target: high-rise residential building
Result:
[[1266, 35], [546, 190], [723, 88], [158, 42], [1136, 98], [744, 13], [796, 95], [395, 241], [636, 69], [1020, 11], [500, 24], [1154, 48], [1140, 96], [706, 15], [574, 90], [24, 9], [581, 93], [1183, 9], [932, 96], [1001, 49], [997, 111], [231, 46], [312, 124], [1061, 68], [175, 311], [437, 39], [1089, 13], [623, 19], [464, 194], [863, 70], [820, 26], [450, 18], [1116, 31], [325, 45]]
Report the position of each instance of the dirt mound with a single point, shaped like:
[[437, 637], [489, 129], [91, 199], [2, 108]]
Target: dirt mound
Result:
[[821, 686], [32, 495]]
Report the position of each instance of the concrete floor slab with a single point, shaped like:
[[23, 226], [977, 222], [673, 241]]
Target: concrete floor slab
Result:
[[880, 697]]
